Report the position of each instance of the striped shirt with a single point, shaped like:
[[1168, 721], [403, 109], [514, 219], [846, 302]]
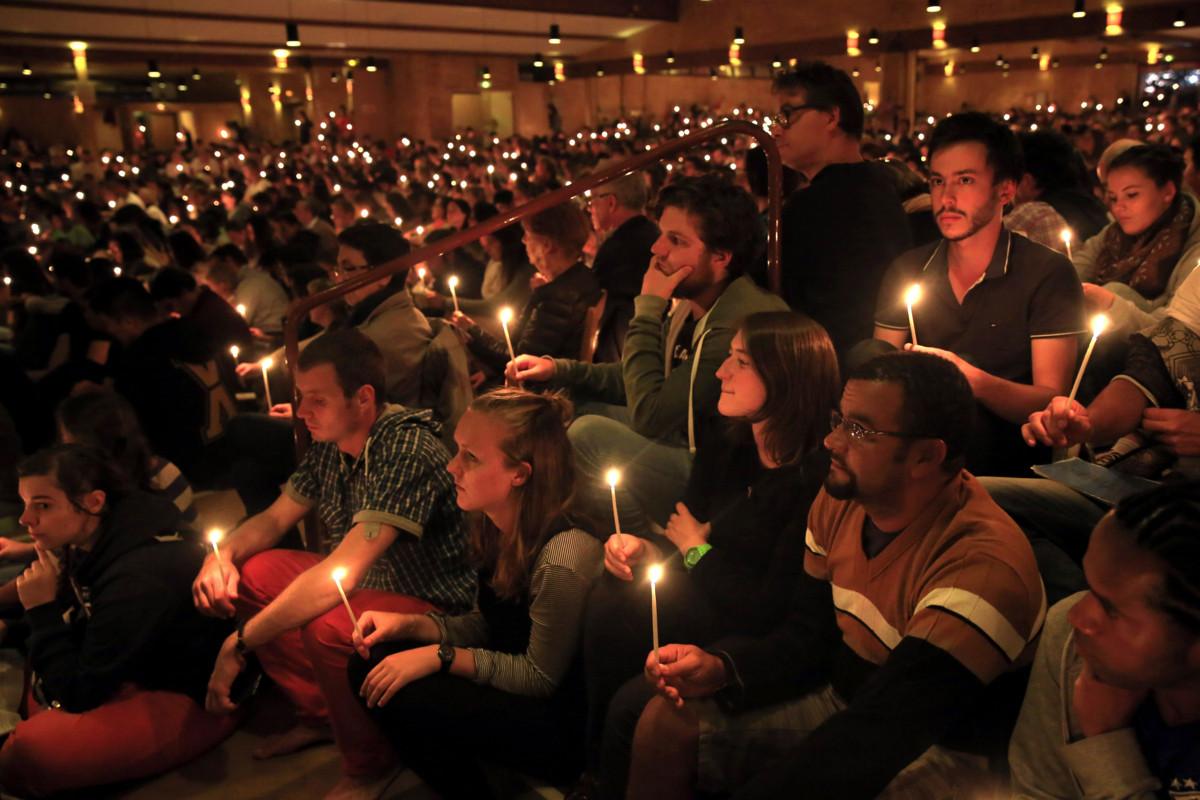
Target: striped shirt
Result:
[[169, 481], [399, 480], [961, 576]]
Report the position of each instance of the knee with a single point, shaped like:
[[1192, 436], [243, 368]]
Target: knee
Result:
[[257, 575], [25, 759], [327, 631], [666, 728], [589, 435]]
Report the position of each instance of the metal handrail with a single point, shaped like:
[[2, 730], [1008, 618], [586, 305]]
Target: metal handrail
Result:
[[298, 311]]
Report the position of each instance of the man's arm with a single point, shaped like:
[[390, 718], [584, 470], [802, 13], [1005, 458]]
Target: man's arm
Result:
[[314, 592], [264, 529], [896, 337]]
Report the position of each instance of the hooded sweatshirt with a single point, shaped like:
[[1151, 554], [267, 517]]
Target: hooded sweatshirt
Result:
[[124, 612]]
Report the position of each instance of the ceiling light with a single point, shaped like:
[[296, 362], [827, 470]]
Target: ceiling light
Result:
[[555, 37], [195, 73], [933, 6], [777, 63], [538, 63], [1078, 13], [1179, 21], [26, 69], [152, 70], [670, 56], [739, 36], [292, 34], [975, 47], [873, 36], [371, 66]]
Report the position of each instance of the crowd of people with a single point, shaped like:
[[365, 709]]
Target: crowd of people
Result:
[[585, 499]]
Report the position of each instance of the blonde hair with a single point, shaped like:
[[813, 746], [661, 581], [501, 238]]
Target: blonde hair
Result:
[[536, 435]]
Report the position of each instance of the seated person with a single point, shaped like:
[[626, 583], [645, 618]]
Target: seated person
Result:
[[119, 653], [228, 273], [180, 392], [939, 605], [646, 413], [375, 474], [505, 277], [738, 529], [1113, 705], [551, 323], [1053, 193], [213, 322], [1006, 311], [1133, 267], [1146, 422], [503, 683]]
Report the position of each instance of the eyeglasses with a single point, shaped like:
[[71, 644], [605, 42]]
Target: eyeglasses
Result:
[[784, 118], [860, 433], [594, 197]]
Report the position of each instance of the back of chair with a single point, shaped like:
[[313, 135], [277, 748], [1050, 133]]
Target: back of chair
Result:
[[591, 329], [445, 378]]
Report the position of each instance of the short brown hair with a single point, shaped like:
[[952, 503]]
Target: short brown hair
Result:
[[795, 359], [355, 359], [564, 224]]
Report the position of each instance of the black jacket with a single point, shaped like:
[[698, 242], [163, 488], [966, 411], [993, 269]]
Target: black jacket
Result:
[[620, 264], [551, 324], [139, 626]]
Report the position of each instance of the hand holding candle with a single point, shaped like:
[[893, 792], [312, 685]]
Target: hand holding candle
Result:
[[339, 575], [1099, 323], [912, 296], [452, 282], [265, 365], [655, 574], [214, 537]]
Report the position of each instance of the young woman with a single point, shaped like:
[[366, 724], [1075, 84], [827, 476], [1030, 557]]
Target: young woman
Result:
[[551, 323], [504, 682], [733, 551], [119, 655], [1132, 268]]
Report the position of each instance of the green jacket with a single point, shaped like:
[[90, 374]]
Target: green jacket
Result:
[[667, 404]]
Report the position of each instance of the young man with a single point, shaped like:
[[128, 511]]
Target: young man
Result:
[[1006, 311], [937, 599], [618, 215], [645, 414], [376, 474], [1113, 705], [208, 317], [847, 225]]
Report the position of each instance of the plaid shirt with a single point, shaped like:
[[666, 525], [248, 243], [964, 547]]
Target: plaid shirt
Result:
[[399, 479], [1040, 223]]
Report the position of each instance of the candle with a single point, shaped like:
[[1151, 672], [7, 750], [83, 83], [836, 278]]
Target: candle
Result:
[[421, 275], [452, 282], [613, 476], [233, 351], [1066, 237], [506, 315], [266, 364], [338, 575], [1099, 323], [655, 574], [911, 297], [214, 536]]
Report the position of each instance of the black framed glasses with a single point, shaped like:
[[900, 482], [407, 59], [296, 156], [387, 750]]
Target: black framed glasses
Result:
[[860, 433], [784, 117]]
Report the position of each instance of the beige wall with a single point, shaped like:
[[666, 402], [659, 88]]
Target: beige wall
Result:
[[1066, 87]]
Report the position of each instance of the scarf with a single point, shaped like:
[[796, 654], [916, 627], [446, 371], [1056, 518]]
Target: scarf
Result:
[[1145, 261]]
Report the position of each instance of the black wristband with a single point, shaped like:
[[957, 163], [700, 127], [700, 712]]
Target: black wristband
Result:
[[240, 647]]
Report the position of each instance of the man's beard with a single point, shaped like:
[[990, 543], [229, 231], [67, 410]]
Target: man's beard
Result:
[[846, 489], [976, 223], [696, 283]]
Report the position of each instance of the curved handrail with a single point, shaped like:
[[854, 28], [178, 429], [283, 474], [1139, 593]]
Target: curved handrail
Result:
[[299, 308]]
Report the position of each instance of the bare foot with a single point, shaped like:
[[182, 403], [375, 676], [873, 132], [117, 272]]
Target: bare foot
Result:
[[295, 738], [363, 787]]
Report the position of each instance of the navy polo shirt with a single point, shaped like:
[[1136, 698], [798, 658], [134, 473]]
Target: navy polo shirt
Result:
[[1027, 292]]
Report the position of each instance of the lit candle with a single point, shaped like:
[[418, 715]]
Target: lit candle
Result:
[[1066, 237], [421, 275], [1099, 323], [241, 309], [233, 351], [911, 298], [338, 575], [266, 364], [655, 574], [506, 314], [613, 476], [452, 282], [214, 536]]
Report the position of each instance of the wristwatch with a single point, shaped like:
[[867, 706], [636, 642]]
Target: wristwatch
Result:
[[445, 654], [692, 557]]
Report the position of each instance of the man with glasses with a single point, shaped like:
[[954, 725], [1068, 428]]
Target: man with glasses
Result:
[[937, 600], [617, 210], [846, 226]]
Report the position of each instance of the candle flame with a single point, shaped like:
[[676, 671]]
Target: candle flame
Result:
[[506, 315], [655, 573], [421, 273], [613, 476], [241, 309], [339, 575], [1066, 235], [1099, 323], [215, 535], [452, 281], [912, 295], [234, 350], [267, 362]]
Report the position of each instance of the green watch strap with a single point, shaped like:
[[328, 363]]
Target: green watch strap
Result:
[[692, 557]]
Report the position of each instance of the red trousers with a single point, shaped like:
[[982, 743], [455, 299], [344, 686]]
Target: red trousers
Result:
[[309, 664], [136, 734]]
